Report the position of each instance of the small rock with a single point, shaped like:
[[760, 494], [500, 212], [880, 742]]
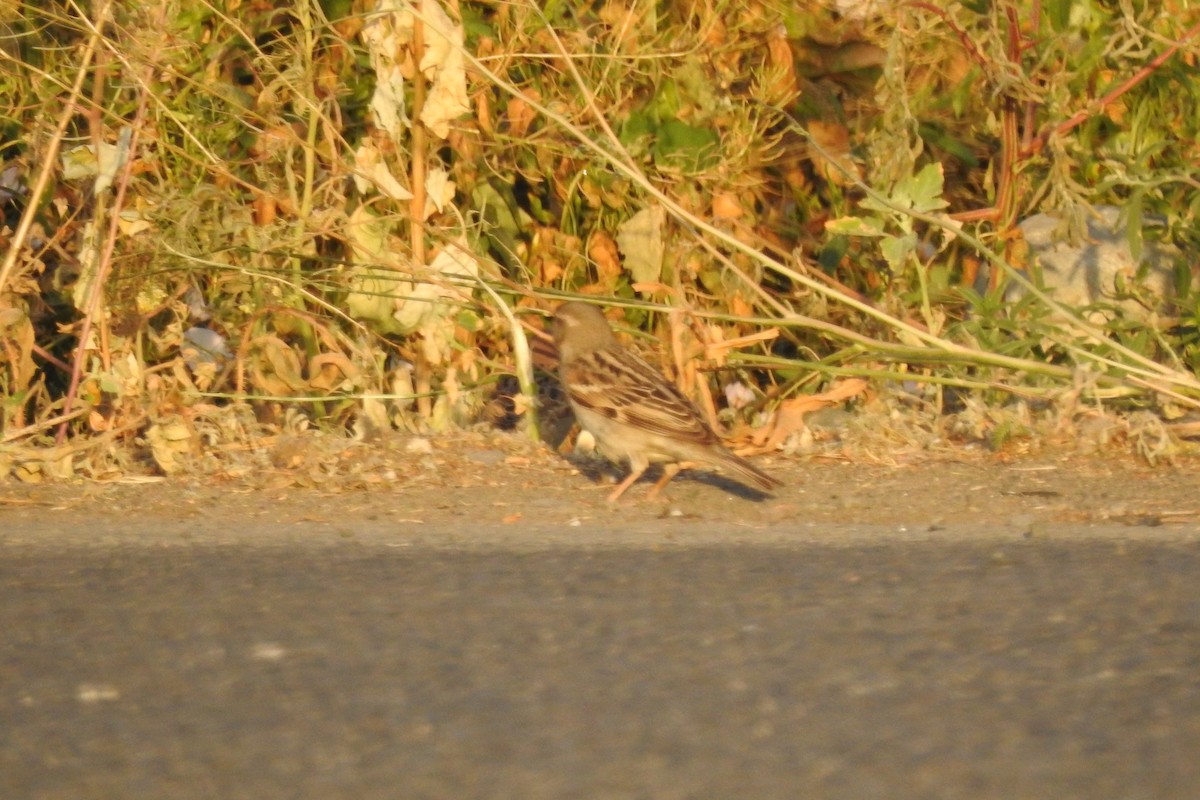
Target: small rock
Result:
[[419, 446], [488, 458]]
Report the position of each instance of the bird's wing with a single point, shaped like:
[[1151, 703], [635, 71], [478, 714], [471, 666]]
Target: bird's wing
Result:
[[619, 385]]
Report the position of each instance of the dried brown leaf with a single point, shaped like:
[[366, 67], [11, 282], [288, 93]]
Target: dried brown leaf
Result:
[[782, 86], [172, 441], [521, 114], [834, 140], [717, 348], [789, 417], [725, 205], [602, 250], [330, 370]]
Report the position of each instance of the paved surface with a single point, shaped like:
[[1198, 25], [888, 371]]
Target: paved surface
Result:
[[367, 665]]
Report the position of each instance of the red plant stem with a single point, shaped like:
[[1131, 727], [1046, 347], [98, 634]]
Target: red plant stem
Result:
[[53, 359], [1010, 153], [417, 206], [104, 263], [1035, 16], [967, 44], [417, 203], [1082, 116], [1005, 192]]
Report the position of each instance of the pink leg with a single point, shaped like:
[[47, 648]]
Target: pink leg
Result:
[[669, 472], [635, 472]]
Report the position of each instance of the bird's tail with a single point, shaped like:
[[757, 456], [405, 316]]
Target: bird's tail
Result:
[[748, 472]]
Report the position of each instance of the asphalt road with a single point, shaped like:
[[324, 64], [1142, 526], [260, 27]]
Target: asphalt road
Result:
[[362, 667]]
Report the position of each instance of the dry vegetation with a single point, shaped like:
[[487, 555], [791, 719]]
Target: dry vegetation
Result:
[[230, 221]]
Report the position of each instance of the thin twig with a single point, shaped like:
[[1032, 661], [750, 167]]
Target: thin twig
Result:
[[1112, 95], [37, 427], [416, 206], [104, 261], [50, 157]]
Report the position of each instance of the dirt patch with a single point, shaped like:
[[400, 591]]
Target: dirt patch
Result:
[[473, 489]]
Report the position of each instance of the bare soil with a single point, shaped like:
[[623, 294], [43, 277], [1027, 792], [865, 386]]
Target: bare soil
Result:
[[478, 489]]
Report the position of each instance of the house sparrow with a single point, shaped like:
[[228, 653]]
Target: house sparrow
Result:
[[634, 412]]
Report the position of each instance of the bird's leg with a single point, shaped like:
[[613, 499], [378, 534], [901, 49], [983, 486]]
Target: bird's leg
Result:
[[636, 468], [669, 471], [634, 474]]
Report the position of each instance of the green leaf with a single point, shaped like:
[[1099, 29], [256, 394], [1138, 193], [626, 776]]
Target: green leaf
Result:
[[937, 136], [641, 241], [1135, 223], [666, 102], [896, 249], [687, 146], [475, 25], [855, 226], [336, 9], [924, 189], [503, 219], [1058, 12], [697, 85], [371, 296], [468, 320], [636, 129], [110, 383], [921, 192]]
